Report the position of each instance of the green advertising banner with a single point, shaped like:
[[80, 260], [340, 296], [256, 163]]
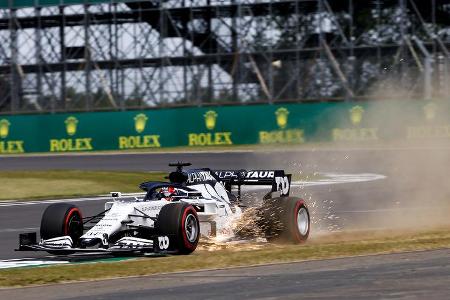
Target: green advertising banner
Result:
[[340, 122]]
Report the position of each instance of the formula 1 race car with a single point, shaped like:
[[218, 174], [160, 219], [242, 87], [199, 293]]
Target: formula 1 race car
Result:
[[172, 215]]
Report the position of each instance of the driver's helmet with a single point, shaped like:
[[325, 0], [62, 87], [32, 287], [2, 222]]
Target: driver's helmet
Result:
[[168, 193]]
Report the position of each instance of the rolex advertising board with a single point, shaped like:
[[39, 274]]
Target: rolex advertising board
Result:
[[355, 130], [339, 122], [7, 145], [210, 136], [433, 123]]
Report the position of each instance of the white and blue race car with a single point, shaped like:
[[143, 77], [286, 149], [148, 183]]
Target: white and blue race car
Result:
[[171, 216]]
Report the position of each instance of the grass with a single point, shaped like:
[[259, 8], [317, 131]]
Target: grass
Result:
[[24, 185], [322, 248]]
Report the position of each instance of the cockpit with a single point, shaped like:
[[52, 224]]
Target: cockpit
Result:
[[167, 191]]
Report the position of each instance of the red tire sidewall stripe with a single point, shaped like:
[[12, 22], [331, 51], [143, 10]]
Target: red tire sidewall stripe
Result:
[[186, 212], [66, 221], [298, 205]]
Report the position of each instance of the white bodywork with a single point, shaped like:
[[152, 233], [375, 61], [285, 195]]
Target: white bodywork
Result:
[[214, 203], [119, 213], [132, 222]]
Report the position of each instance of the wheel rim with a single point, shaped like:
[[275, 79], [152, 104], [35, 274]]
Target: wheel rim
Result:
[[302, 221], [191, 228], [74, 228]]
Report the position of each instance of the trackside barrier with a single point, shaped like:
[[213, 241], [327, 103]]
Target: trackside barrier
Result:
[[340, 122]]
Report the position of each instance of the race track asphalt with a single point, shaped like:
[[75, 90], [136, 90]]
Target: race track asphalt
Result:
[[416, 275]]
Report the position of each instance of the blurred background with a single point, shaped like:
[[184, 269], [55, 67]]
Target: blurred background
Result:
[[88, 55]]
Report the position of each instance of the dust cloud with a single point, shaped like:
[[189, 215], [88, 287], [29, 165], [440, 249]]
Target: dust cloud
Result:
[[412, 149]]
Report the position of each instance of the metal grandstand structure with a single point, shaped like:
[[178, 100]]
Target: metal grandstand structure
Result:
[[67, 55]]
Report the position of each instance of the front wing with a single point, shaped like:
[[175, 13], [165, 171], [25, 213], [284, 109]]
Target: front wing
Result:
[[160, 244]]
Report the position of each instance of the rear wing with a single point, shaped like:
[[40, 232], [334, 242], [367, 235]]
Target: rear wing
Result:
[[276, 178]]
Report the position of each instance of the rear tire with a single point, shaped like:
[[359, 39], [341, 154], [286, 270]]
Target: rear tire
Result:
[[62, 219], [181, 223], [285, 219]]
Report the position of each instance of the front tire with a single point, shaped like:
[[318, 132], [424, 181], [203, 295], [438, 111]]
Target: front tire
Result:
[[62, 219], [180, 222], [285, 219]]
